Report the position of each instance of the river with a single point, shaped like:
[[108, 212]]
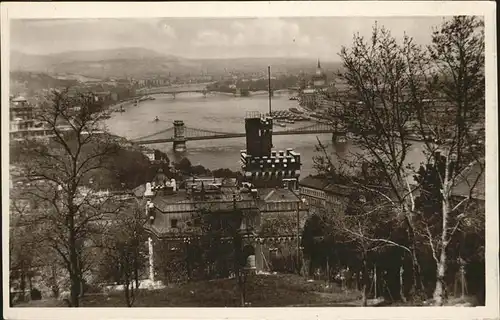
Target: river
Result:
[[222, 113]]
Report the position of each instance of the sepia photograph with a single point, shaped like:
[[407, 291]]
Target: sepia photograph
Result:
[[219, 160]]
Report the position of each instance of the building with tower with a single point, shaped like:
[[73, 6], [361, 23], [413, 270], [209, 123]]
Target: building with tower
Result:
[[264, 209], [262, 166], [23, 123], [311, 97], [319, 80]]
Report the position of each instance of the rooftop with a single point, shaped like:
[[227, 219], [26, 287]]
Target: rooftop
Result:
[[222, 199], [325, 185], [471, 181], [19, 99]]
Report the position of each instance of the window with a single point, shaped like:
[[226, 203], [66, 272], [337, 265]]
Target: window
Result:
[[173, 223]]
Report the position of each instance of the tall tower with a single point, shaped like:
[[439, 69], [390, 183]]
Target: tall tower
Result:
[[319, 79], [261, 165], [259, 134]]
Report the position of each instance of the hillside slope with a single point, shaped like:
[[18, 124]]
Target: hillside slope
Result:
[[139, 62]]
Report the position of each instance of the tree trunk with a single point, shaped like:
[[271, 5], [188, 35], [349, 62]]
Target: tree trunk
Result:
[[75, 290], [30, 283], [126, 291], [188, 262], [132, 293], [401, 284], [55, 287], [23, 284], [440, 289], [73, 256], [417, 286], [136, 276], [364, 281], [136, 268], [310, 271], [82, 285], [327, 270]]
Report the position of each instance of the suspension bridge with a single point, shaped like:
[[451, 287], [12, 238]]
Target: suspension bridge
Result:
[[179, 134], [173, 91]]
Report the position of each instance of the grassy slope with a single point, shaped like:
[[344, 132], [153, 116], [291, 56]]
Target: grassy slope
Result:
[[262, 291]]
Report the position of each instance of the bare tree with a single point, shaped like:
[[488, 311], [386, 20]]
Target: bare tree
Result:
[[377, 112], [361, 228], [453, 118], [124, 246], [22, 248], [400, 93], [59, 172]]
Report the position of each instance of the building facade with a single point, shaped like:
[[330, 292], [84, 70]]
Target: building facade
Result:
[[22, 121], [264, 210], [321, 195], [180, 221]]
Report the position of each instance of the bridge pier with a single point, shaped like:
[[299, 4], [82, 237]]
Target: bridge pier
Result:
[[339, 137], [179, 136], [180, 145]]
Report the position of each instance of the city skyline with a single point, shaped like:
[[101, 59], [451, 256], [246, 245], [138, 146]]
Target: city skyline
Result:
[[209, 38], [302, 157]]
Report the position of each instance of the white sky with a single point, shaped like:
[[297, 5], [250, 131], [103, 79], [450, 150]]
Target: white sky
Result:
[[313, 37]]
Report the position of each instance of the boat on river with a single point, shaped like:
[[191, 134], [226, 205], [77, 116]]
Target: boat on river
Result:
[[145, 98], [295, 110]]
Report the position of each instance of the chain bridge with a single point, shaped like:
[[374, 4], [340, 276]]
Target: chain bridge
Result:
[[173, 91], [179, 134]]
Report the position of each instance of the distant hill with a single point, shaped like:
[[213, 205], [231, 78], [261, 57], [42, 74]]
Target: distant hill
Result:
[[111, 54], [293, 65], [138, 62], [98, 63]]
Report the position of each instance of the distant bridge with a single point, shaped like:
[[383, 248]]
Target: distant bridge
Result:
[[173, 91], [179, 134]]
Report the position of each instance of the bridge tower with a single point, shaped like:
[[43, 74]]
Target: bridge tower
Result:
[[179, 136], [339, 134]]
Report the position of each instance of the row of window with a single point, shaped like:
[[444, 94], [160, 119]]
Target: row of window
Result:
[[312, 192], [222, 223]]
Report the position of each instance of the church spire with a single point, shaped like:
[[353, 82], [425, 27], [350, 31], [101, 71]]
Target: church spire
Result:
[[319, 64]]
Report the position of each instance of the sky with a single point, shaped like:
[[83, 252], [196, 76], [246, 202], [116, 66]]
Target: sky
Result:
[[200, 38]]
